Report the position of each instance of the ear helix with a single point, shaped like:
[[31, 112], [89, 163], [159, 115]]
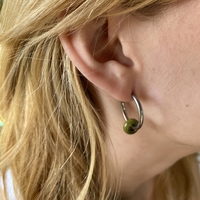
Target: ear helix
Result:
[[132, 125]]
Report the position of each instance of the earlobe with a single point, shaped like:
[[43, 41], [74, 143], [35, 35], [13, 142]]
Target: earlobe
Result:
[[98, 55]]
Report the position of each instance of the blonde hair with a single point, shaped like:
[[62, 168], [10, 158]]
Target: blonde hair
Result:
[[52, 137]]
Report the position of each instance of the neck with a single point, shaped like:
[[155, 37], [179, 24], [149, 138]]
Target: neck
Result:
[[143, 161], [142, 156]]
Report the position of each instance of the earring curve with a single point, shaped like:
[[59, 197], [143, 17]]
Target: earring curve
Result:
[[132, 125]]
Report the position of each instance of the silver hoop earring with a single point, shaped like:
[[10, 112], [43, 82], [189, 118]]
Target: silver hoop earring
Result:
[[132, 125]]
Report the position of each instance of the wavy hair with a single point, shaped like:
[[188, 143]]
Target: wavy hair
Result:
[[52, 138]]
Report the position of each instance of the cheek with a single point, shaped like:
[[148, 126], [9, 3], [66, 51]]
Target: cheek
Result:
[[177, 74], [169, 79], [171, 83]]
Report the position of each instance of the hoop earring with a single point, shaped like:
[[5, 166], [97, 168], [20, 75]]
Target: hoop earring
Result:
[[132, 125]]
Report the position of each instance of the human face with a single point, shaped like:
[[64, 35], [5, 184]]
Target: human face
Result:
[[166, 51]]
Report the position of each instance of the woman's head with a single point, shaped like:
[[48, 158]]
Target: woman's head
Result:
[[58, 59]]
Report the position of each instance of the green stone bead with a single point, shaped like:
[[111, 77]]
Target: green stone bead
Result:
[[129, 126]]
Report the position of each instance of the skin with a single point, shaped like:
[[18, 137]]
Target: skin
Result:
[[157, 60], [165, 67]]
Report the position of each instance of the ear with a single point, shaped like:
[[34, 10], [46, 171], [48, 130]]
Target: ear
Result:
[[97, 52]]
